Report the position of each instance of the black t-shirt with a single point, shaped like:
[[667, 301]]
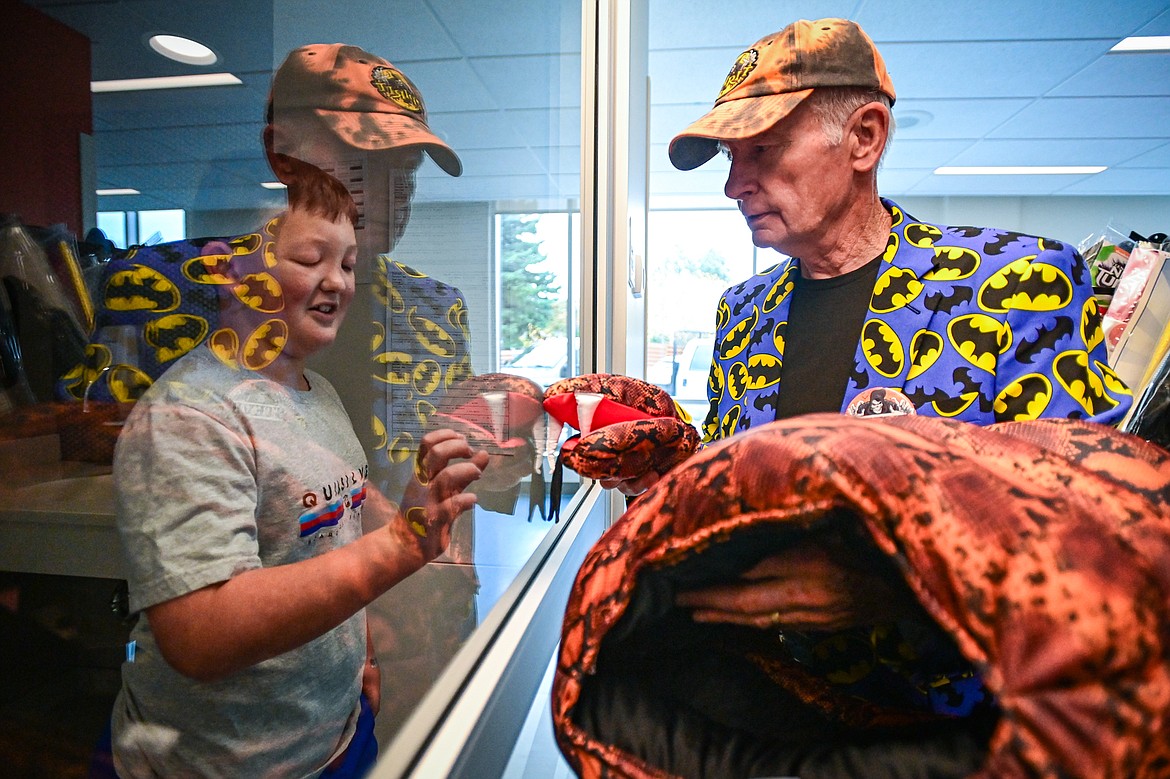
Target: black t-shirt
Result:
[[820, 341]]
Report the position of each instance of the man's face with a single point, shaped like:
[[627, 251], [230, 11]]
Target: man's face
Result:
[[790, 182], [380, 182], [315, 260]]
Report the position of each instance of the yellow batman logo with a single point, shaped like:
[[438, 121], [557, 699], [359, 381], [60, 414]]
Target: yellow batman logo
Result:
[[895, 288], [457, 372], [387, 294], [1114, 386], [980, 339], [246, 244], [1026, 286], [427, 376], [737, 380], [141, 288], [225, 345], [97, 359], [401, 448], [763, 371], [409, 271], [457, 317], [270, 254], [1082, 383], [722, 313], [424, 410], [1023, 399], [264, 344], [739, 336], [952, 407], [715, 380], [127, 383], [892, 244], [883, 351], [260, 292], [780, 290], [378, 337], [1091, 331], [431, 336], [778, 336], [921, 235], [379, 428], [209, 269], [396, 367], [925, 349], [953, 263], [175, 334], [896, 216], [730, 422]]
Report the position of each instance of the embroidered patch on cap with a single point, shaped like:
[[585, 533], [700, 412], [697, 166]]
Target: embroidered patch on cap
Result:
[[744, 64], [392, 85]]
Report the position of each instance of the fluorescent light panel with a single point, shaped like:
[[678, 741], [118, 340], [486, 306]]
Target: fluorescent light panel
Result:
[[119, 191], [1017, 170], [1142, 43], [273, 185], [165, 82]]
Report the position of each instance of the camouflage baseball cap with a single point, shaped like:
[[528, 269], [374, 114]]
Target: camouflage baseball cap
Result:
[[772, 77], [365, 100]]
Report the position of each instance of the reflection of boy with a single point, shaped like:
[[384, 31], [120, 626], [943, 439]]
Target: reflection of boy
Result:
[[240, 500]]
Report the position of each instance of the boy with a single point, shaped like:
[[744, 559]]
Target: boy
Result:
[[241, 488]]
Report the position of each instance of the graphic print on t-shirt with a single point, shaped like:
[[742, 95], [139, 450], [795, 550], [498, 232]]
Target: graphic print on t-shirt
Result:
[[325, 508]]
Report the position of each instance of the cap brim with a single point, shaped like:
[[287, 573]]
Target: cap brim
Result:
[[378, 131], [730, 121]]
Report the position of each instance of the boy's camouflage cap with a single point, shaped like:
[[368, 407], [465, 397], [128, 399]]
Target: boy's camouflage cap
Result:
[[364, 99], [771, 78]]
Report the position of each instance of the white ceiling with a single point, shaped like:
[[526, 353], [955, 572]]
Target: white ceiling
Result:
[[998, 82]]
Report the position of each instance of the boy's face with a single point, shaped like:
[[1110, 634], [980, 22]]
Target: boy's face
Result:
[[315, 267]]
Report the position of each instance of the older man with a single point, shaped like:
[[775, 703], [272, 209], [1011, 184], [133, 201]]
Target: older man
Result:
[[976, 324]]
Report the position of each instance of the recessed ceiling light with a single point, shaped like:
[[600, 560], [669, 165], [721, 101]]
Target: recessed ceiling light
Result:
[[274, 185], [118, 191], [183, 50], [165, 82], [1142, 43], [1017, 170], [907, 119]]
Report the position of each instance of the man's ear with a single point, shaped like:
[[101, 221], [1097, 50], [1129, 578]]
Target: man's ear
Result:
[[868, 129]]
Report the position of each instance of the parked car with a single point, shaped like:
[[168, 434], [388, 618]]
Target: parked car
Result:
[[685, 377], [544, 362]]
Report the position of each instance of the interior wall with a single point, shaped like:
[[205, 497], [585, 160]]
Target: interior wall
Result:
[[1069, 219]]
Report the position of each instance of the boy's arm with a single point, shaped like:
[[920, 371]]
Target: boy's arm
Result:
[[212, 632]]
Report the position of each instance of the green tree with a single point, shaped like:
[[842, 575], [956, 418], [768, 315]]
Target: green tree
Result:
[[531, 307]]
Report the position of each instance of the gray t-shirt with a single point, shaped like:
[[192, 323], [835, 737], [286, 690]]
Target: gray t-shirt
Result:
[[220, 471]]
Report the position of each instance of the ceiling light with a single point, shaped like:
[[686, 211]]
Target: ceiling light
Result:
[[165, 82], [183, 50], [1017, 170], [904, 120], [274, 185], [1142, 43], [119, 191]]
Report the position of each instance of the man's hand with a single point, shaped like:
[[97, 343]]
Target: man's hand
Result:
[[437, 494], [802, 588]]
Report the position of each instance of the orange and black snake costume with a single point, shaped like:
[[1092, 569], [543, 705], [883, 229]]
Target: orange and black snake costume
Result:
[[1042, 549]]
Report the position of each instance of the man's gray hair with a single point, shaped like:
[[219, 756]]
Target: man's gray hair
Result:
[[834, 105]]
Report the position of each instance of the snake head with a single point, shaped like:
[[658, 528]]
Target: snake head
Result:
[[627, 426]]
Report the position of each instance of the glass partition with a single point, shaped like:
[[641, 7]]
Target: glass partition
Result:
[[466, 272]]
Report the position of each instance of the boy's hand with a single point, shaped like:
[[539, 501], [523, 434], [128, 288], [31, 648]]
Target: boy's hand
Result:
[[446, 466]]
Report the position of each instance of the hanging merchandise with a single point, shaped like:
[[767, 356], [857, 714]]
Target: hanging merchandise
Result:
[[44, 322], [14, 389]]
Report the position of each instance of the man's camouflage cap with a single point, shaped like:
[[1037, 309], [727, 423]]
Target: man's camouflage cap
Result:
[[774, 76], [364, 99]]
